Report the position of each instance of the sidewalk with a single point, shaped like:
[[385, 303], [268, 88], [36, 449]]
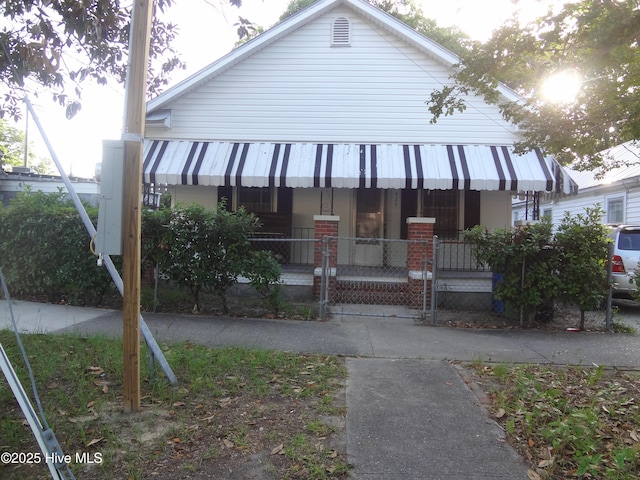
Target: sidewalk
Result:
[[416, 419], [409, 414], [44, 318]]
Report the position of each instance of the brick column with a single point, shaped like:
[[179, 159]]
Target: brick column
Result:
[[420, 236], [325, 226]]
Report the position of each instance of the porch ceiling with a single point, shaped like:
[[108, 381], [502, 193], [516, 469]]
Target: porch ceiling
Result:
[[308, 165]]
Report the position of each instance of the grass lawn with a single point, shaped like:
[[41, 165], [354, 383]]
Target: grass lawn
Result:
[[567, 422], [240, 413], [237, 412]]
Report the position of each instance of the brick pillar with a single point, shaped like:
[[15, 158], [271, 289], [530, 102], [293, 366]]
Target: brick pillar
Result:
[[420, 236], [325, 226]]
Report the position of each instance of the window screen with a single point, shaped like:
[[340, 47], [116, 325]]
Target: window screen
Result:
[[615, 210]]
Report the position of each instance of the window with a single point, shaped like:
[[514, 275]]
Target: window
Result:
[[444, 206], [547, 213], [368, 221], [341, 32], [615, 210], [257, 200]]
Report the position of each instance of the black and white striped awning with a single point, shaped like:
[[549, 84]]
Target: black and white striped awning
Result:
[[308, 165]]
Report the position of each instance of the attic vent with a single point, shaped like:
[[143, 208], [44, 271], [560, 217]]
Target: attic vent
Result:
[[341, 32]]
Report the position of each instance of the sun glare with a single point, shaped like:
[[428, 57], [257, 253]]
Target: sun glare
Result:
[[562, 87]]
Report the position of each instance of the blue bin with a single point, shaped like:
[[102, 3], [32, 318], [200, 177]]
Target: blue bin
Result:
[[496, 305]]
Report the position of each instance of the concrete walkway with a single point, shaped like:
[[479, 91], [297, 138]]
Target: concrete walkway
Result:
[[409, 414]]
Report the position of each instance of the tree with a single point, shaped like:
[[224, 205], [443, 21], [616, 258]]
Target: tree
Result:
[[12, 143], [55, 46], [596, 39]]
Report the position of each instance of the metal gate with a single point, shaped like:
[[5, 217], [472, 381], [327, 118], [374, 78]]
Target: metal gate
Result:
[[399, 276], [460, 282]]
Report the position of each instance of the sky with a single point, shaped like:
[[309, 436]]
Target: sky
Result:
[[206, 33]]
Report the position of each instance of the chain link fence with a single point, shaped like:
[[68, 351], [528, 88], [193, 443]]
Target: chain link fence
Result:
[[351, 270], [461, 282], [373, 271], [295, 256], [444, 278]]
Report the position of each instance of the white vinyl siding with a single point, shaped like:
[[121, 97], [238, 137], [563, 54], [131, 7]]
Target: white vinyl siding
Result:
[[299, 89], [591, 197]]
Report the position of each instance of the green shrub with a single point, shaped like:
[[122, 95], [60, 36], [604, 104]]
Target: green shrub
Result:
[[45, 250], [207, 249], [526, 260], [539, 266], [264, 272]]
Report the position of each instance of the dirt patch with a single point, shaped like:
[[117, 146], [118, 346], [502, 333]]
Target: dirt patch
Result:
[[562, 318]]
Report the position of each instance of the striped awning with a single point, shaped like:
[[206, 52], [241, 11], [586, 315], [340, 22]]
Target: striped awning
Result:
[[308, 165]]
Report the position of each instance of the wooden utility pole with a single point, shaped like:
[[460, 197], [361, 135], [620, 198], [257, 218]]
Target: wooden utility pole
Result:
[[135, 95]]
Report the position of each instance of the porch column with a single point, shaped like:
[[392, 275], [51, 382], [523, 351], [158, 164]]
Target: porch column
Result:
[[420, 249], [325, 226]]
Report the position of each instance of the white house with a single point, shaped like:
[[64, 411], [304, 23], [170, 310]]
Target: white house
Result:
[[325, 114], [11, 183], [617, 192]]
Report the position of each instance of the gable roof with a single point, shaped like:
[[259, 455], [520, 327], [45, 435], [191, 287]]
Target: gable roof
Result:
[[298, 20], [627, 155]]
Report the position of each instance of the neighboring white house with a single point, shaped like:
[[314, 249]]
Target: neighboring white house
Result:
[[21, 177], [617, 192], [325, 114]]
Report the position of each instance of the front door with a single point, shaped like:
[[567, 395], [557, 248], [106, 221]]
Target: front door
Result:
[[368, 247]]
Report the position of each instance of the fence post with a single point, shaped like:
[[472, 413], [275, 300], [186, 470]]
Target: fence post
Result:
[[607, 320], [419, 234], [326, 226], [434, 279], [324, 279]]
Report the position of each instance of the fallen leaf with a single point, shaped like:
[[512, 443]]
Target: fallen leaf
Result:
[[546, 463], [105, 389], [279, 450], [94, 441], [533, 475], [634, 435], [228, 443], [531, 443], [546, 453], [91, 404], [52, 386], [101, 382], [93, 370], [179, 404], [500, 413]]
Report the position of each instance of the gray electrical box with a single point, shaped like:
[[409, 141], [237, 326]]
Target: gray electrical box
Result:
[[109, 232]]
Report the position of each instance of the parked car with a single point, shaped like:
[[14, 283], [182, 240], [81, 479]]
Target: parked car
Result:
[[626, 255]]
